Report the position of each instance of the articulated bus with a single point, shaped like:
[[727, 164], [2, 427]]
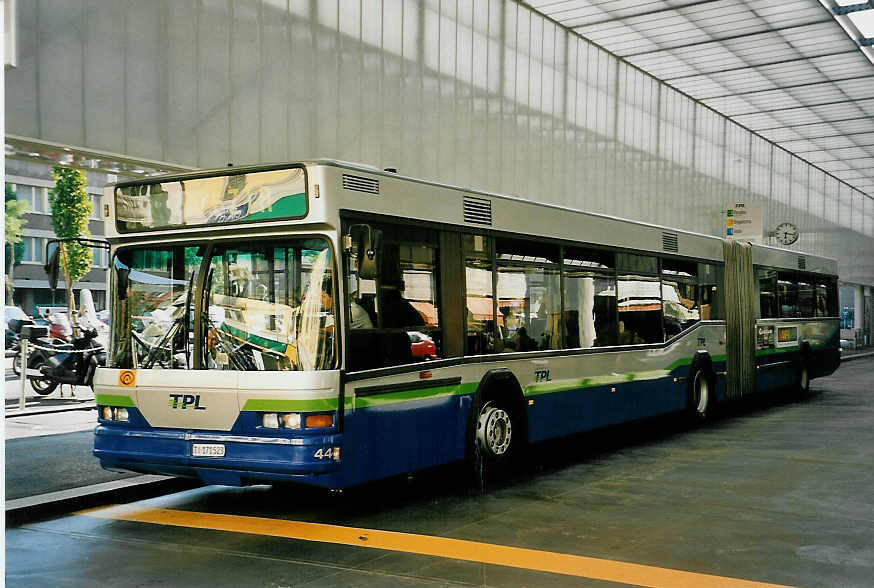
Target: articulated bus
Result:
[[331, 324]]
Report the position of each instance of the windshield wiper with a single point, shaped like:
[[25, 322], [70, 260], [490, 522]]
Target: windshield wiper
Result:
[[178, 322]]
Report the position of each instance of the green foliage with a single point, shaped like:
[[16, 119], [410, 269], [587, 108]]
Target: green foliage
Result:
[[15, 211], [71, 207]]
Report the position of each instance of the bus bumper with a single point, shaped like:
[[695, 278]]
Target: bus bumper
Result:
[[246, 460]]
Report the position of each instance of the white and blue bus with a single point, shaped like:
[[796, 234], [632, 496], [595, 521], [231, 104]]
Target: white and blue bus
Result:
[[331, 324]]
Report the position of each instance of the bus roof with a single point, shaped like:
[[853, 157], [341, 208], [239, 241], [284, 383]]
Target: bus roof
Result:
[[763, 254]]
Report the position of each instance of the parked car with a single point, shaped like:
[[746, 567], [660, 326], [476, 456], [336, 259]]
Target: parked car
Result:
[[421, 345]]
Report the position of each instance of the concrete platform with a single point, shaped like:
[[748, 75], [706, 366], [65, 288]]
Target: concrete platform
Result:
[[779, 493]]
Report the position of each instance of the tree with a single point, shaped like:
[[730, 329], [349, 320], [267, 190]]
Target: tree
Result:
[[15, 210], [71, 208]]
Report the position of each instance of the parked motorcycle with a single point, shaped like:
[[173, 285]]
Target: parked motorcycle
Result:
[[59, 361], [37, 355], [69, 363]]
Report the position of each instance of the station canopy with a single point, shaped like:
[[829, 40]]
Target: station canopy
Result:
[[800, 73]]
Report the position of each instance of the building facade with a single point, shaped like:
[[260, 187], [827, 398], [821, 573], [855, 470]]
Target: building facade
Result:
[[31, 183]]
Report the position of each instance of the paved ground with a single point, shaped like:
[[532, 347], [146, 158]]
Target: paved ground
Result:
[[38, 465], [780, 493]]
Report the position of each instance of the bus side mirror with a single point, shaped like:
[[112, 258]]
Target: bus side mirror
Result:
[[53, 268], [369, 254]]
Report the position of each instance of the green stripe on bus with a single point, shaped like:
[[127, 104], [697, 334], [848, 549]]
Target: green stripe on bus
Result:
[[290, 405], [408, 395], [762, 352], [114, 400]]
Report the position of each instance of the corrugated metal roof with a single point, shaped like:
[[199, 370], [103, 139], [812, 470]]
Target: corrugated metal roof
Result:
[[798, 72]]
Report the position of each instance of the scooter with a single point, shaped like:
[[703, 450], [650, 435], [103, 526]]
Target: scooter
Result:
[[59, 362], [72, 364]]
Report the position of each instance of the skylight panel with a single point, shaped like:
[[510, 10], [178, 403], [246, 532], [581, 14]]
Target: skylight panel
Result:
[[864, 21]]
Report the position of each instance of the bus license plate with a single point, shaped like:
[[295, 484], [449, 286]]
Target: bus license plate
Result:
[[208, 450]]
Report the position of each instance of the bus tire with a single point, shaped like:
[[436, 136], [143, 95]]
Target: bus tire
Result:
[[802, 379], [701, 388], [497, 427]]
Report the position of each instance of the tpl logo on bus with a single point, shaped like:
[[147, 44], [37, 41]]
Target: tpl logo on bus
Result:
[[184, 401]]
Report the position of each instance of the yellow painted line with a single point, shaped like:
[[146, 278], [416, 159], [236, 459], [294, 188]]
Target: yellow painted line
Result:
[[487, 553]]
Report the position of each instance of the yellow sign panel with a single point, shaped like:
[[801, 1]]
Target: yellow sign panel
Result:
[[127, 378]]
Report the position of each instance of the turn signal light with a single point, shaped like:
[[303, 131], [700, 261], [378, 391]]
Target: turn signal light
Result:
[[316, 421]]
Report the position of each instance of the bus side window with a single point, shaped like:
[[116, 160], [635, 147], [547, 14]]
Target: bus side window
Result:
[[479, 296], [787, 296], [640, 312], [806, 298], [680, 308], [589, 298], [709, 284], [394, 319], [529, 297], [821, 303], [767, 293]]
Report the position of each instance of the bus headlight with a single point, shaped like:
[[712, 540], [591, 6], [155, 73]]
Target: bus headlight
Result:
[[114, 413], [291, 420], [270, 420]]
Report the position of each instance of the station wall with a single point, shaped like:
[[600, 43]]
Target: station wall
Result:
[[484, 93]]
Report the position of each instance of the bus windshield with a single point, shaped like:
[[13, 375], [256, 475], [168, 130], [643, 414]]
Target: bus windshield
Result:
[[265, 306]]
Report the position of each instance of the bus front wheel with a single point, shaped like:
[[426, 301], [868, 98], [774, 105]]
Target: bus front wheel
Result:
[[494, 432]]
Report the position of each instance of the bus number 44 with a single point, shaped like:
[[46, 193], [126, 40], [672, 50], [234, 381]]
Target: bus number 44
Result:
[[324, 453]]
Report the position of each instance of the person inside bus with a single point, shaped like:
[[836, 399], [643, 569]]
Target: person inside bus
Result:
[[395, 310], [628, 337]]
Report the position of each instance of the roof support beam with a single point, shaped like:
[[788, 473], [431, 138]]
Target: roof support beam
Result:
[[726, 38], [805, 85], [834, 149], [871, 132], [639, 14], [824, 122], [766, 64], [765, 111], [846, 159]]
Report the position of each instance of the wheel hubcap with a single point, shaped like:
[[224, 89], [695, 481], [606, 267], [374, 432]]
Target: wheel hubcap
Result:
[[494, 430]]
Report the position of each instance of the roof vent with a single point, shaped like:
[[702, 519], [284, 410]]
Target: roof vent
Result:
[[478, 211], [802, 263], [670, 242], [360, 184]]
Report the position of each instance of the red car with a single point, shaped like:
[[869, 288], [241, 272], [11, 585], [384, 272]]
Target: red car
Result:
[[421, 345]]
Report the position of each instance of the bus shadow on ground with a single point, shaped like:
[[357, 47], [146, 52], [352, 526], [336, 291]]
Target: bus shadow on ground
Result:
[[444, 486]]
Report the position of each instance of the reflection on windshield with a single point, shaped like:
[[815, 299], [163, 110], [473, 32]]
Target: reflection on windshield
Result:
[[150, 329], [270, 307], [264, 307]]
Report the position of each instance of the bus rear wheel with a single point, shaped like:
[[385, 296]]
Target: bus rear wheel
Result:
[[700, 395], [802, 380]]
